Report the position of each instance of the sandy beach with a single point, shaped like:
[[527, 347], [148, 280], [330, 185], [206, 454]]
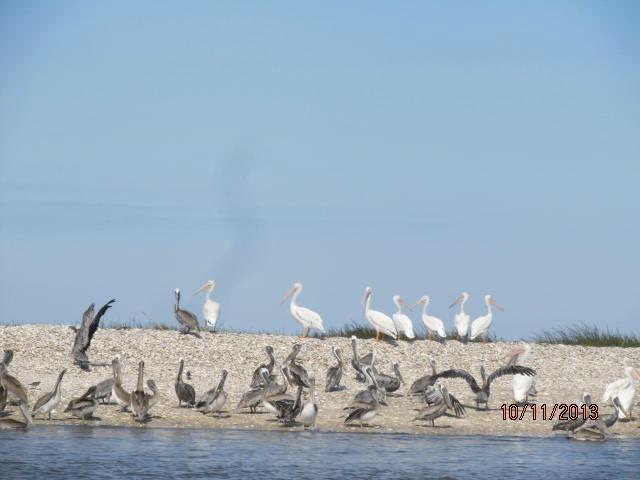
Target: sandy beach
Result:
[[563, 373]]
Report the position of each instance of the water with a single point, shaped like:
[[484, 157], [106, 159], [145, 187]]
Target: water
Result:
[[79, 452]]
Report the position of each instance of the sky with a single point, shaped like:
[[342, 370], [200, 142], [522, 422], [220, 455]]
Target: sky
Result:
[[414, 147]]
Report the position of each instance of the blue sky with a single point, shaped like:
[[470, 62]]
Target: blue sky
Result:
[[421, 148]]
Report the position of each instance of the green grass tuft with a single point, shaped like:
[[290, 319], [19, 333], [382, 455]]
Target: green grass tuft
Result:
[[588, 336]]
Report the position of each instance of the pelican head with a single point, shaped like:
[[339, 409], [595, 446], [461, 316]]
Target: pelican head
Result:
[[462, 298], [208, 285], [423, 300], [295, 288], [489, 300], [367, 294], [399, 301]]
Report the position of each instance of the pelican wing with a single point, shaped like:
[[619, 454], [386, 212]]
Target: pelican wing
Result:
[[457, 406], [403, 324], [480, 326], [309, 318], [434, 324], [334, 375], [42, 401], [511, 370], [87, 330], [382, 323], [614, 388], [466, 376], [211, 312]]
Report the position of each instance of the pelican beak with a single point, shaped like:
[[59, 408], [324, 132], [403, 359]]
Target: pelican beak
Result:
[[202, 288], [456, 301], [493, 302], [287, 295], [364, 297], [411, 307], [514, 351]]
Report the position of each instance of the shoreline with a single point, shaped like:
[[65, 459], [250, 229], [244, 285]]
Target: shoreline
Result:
[[563, 373]]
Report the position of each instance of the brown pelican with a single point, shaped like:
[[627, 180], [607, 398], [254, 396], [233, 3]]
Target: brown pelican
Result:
[[296, 372], [140, 400], [104, 390], [388, 382], [610, 419], [12, 386], [84, 406], [213, 400], [188, 320], [334, 374], [185, 392], [595, 431], [123, 398], [571, 425], [49, 401], [438, 402], [367, 396], [624, 389], [286, 408], [6, 360], [253, 397], [364, 411], [257, 380], [309, 411], [483, 392], [360, 363], [85, 333], [210, 309], [13, 424], [420, 385]]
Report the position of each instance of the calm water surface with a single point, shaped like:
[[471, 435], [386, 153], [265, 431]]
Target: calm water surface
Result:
[[79, 452]]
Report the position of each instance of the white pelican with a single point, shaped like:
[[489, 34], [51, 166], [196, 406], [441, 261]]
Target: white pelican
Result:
[[381, 322], [307, 318], [523, 385], [210, 309], [625, 390], [400, 320], [480, 326], [433, 324], [461, 320]]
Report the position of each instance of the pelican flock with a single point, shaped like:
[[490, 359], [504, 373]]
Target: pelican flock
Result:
[[287, 389]]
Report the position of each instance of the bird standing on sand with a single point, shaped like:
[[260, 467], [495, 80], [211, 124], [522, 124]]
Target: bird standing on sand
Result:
[[390, 383], [380, 322], [360, 363], [257, 380], [433, 324], [523, 386], [12, 385], [304, 316], [210, 309], [85, 333], [309, 411], [401, 321], [334, 374], [439, 401], [213, 400], [49, 401], [141, 401], [123, 398], [185, 392], [84, 406], [480, 326], [187, 319], [625, 390], [461, 319], [421, 384]]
